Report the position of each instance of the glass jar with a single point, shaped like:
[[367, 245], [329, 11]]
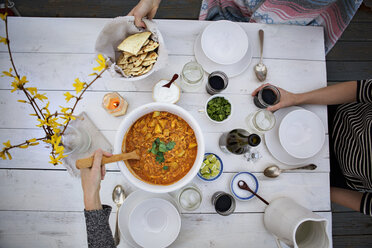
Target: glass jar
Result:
[[267, 96], [260, 121], [75, 140], [192, 76], [189, 197]]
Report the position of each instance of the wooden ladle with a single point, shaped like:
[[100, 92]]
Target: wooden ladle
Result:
[[244, 185], [88, 162]]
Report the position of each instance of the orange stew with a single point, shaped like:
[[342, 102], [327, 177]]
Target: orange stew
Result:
[[167, 127]]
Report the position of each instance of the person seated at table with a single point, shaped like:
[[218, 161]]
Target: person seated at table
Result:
[[350, 138], [96, 215], [333, 15]]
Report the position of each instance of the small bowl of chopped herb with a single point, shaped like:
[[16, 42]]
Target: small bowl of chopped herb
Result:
[[218, 108], [211, 168]]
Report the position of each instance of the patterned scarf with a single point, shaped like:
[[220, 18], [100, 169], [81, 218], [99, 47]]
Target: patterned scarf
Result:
[[333, 15]]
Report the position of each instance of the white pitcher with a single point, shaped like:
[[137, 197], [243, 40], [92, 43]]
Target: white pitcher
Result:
[[295, 225]]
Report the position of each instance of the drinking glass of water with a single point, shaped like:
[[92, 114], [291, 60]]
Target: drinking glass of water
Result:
[[192, 76], [190, 198], [260, 121]]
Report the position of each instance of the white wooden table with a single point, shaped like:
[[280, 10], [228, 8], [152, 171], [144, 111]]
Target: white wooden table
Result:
[[41, 205]]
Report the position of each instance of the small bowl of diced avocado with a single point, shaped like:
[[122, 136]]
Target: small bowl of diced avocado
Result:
[[218, 108], [212, 167]]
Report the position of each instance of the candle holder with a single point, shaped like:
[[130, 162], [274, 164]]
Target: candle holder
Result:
[[114, 104]]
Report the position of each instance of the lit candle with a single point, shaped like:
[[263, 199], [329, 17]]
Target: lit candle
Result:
[[114, 104]]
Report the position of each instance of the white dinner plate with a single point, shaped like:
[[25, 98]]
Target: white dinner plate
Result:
[[154, 223], [301, 133], [224, 42], [210, 66], [273, 143], [129, 204]]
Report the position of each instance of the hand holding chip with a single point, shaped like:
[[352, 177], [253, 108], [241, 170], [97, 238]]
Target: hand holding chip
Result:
[[145, 8]]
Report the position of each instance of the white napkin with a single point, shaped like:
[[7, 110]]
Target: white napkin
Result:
[[98, 140]]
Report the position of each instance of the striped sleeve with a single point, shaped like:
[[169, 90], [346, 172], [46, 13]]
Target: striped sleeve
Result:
[[364, 91], [366, 204]]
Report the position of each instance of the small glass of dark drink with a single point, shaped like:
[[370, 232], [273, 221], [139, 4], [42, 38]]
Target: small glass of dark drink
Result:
[[267, 96], [223, 203], [217, 82]]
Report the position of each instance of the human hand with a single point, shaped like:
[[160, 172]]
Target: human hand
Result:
[[144, 8], [91, 181], [286, 98]]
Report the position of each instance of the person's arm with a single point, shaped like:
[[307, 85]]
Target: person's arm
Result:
[[357, 201], [335, 94], [99, 234], [145, 8], [347, 198]]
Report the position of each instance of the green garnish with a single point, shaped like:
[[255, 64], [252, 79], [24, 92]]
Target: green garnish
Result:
[[165, 167], [218, 109], [159, 147]]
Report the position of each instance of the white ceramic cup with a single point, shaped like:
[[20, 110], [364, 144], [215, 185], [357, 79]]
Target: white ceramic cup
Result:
[[295, 225]]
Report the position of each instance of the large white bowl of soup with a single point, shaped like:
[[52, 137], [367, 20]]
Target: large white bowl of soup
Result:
[[170, 144]]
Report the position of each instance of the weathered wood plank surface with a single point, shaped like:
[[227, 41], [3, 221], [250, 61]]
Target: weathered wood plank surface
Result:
[[352, 241], [351, 51], [340, 71], [78, 35], [175, 9], [39, 158], [301, 182], [58, 191], [191, 102], [64, 229], [351, 223], [295, 77]]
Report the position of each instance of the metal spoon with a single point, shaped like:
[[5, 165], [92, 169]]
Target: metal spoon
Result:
[[244, 185], [118, 197], [274, 171], [260, 69]]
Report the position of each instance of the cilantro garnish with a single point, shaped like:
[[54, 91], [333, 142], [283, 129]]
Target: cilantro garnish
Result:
[[159, 147]]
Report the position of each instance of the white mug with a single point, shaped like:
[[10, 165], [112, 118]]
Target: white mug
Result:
[[295, 225]]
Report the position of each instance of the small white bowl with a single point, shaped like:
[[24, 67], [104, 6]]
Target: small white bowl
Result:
[[249, 179], [160, 84], [154, 222], [231, 112], [301, 133], [224, 42]]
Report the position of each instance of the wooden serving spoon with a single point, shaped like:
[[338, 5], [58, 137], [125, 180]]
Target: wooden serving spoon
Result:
[[88, 162], [244, 185], [168, 85]]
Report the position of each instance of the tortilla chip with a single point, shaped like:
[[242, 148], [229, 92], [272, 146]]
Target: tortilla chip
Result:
[[134, 43]]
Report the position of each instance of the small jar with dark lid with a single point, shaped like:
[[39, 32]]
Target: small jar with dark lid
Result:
[[267, 96], [217, 82]]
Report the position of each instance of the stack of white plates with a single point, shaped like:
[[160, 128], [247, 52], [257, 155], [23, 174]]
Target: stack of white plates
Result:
[[298, 135], [223, 46], [149, 220]]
